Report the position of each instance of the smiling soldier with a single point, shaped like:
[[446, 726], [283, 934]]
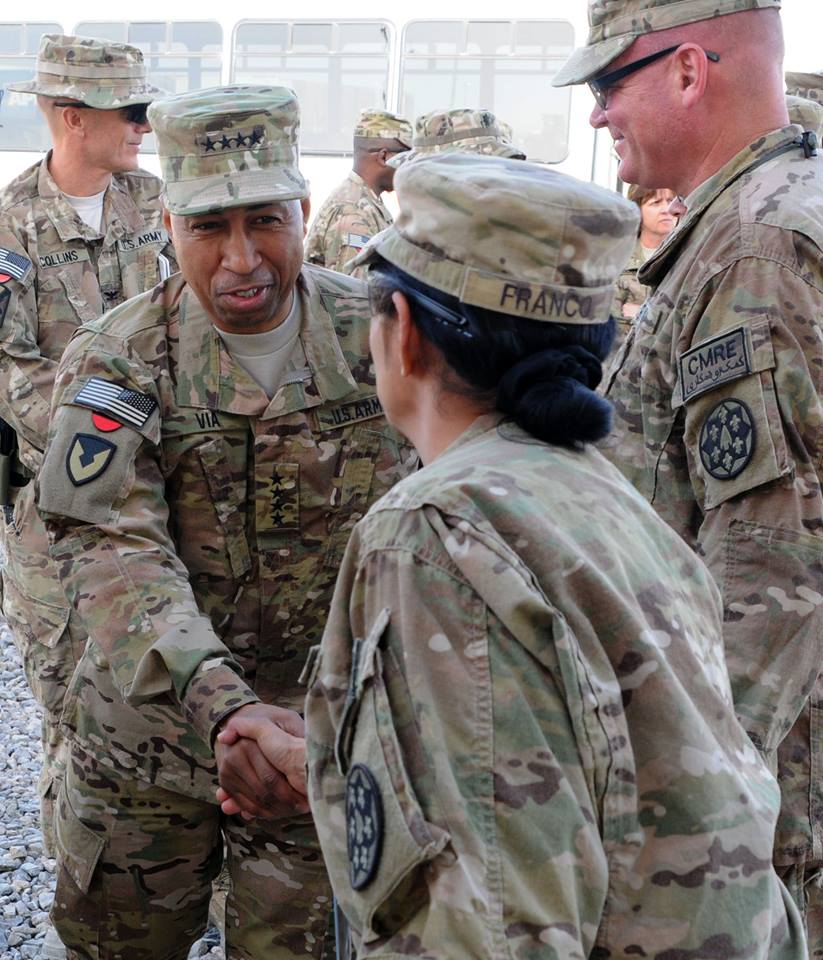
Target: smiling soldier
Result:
[[212, 444], [80, 232], [718, 392]]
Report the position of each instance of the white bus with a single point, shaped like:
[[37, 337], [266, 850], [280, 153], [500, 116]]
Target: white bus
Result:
[[498, 56]]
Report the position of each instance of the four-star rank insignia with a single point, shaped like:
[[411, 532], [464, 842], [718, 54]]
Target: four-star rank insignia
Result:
[[727, 439], [88, 457], [364, 825]]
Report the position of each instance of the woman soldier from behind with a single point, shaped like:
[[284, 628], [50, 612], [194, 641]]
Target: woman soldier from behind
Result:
[[521, 741]]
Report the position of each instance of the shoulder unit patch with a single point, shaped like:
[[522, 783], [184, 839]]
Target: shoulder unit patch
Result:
[[727, 439], [88, 458], [364, 825]]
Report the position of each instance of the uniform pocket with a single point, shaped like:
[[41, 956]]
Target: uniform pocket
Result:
[[79, 848], [387, 841], [228, 498]]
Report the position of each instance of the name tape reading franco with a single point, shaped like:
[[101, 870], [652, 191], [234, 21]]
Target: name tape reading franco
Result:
[[714, 362], [119, 403], [14, 264], [536, 301]]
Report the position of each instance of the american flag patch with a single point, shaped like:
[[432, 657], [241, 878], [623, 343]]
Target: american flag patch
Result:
[[356, 240], [13, 263], [119, 403]]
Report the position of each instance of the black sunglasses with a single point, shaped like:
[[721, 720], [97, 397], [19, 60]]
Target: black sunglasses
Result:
[[599, 86], [134, 113]]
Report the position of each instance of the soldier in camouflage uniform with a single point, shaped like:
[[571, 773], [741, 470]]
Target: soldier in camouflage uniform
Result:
[[520, 729], [57, 271], [198, 512], [354, 212], [459, 131], [719, 390]]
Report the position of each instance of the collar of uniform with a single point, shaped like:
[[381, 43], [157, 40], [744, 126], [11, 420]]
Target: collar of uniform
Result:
[[366, 190], [120, 212], [703, 196], [210, 377]]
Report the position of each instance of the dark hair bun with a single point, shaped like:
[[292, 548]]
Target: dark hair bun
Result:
[[551, 395]]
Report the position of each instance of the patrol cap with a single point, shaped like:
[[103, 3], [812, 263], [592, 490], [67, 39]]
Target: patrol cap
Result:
[[228, 147], [99, 73], [382, 125], [513, 237], [447, 131], [614, 25], [808, 85], [808, 113]]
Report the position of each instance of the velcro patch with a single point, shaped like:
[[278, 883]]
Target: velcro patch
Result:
[[137, 240], [346, 413], [714, 362], [356, 240], [88, 458], [364, 825], [14, 264], [60, 258], [120, 403], [728, 439]]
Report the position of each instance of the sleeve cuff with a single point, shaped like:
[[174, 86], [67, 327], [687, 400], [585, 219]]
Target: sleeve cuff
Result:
[[212, 694]]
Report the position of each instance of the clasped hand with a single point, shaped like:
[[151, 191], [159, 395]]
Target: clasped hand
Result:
[[261, 762]]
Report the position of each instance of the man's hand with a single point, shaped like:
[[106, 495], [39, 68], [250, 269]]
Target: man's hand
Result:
[[261, 760]]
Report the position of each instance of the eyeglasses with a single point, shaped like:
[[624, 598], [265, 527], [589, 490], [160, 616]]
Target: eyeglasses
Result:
[[599, 86], [134, 113]]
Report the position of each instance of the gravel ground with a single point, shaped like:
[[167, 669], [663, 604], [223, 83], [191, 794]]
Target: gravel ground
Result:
[[27, 877]]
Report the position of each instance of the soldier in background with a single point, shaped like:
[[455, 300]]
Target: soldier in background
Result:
[[719, 395], [656, 223], [354, 212], [520, 731], [212, 444], [80, 231], [460, 131]]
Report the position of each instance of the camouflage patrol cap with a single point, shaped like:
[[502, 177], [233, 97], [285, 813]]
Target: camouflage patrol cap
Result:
[[614, 25], [517, 238], [99, 73], [449, 131], [808, 85], [807, 113], [382, 125], [228, 147]]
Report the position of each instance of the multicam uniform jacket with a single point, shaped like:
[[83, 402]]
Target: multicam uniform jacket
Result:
[[350, 216], [718, 400], [58, 272], [628, 290], [197, 525], [520, 731]]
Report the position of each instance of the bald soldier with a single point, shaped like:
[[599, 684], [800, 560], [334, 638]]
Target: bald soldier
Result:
[[354, 212], [717, 392], [80, 231], [460, 131], [212, 444]]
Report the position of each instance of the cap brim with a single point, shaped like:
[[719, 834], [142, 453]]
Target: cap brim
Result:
[[188, 198], [587, 62], [490, 146], [116, 96]]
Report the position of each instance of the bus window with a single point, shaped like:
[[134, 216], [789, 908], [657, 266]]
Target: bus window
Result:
[[505, 66], [23, 126], [336, 68], [181, 55]]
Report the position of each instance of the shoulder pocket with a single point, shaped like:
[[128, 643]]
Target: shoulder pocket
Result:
[[733, 434], [377, 860]]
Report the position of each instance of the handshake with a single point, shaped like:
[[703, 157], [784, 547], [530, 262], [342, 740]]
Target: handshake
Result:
[[261, 762]]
